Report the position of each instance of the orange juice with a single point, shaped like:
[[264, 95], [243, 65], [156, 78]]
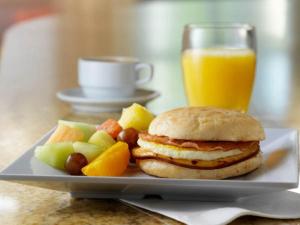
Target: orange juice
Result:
[[219, 77]]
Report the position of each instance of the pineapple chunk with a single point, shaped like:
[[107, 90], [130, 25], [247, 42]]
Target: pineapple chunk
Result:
[[136, 116]]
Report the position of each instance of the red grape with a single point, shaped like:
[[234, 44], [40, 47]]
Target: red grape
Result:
[[74, 163], [130, 136]]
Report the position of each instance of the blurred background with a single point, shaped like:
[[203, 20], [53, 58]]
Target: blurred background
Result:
[[63, 30]]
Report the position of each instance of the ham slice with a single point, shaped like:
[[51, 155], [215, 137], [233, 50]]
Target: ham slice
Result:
[[199, 145]]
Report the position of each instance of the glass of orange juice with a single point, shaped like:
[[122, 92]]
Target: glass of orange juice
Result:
[[219, 64]]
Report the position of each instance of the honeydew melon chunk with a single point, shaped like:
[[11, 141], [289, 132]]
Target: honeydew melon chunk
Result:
[[87, 129], [136, 116], [90, 151], [54, 155], [102, 139]]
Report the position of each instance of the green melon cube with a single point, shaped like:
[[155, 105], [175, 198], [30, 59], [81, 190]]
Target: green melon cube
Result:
[[54, 155], [102, 139], [90, 151]]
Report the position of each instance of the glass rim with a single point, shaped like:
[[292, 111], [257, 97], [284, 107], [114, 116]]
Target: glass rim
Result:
[[219, 25]]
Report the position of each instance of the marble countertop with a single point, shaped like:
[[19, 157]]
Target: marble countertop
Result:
[[27, 205]]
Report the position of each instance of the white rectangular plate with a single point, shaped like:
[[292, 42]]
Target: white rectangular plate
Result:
[[279, 172]]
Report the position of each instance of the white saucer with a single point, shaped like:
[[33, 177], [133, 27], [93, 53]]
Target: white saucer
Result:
[[81, 103]]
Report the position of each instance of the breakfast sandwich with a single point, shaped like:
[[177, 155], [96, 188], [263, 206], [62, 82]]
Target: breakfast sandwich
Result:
[[200, 143]]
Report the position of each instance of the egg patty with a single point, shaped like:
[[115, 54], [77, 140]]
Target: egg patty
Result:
[[142, 154], [187, 153]]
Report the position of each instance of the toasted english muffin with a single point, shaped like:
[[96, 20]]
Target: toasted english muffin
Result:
[[207, 123], [159, 168]]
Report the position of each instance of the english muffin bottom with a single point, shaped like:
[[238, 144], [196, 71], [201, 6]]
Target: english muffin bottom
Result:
[[159, 168]]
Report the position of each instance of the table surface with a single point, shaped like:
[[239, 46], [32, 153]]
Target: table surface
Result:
[[30, 79]]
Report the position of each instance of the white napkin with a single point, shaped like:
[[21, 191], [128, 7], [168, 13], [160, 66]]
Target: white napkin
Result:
[[279, 205]]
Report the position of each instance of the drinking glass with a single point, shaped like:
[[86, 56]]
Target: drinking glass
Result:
[[219, 64]]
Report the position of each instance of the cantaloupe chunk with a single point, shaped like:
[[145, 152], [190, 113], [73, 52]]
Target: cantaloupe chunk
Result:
[[72, 131], [111, 126], [64, 133], [87, 129]]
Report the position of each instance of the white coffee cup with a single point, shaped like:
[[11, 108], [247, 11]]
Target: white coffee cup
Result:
[[112, 76]]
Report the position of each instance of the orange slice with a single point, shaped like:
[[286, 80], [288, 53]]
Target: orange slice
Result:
[[113, 162]]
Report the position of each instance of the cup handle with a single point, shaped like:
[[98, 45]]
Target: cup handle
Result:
[[146, 78]]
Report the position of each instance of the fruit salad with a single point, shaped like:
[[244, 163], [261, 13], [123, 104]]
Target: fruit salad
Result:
[[95, 150]]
